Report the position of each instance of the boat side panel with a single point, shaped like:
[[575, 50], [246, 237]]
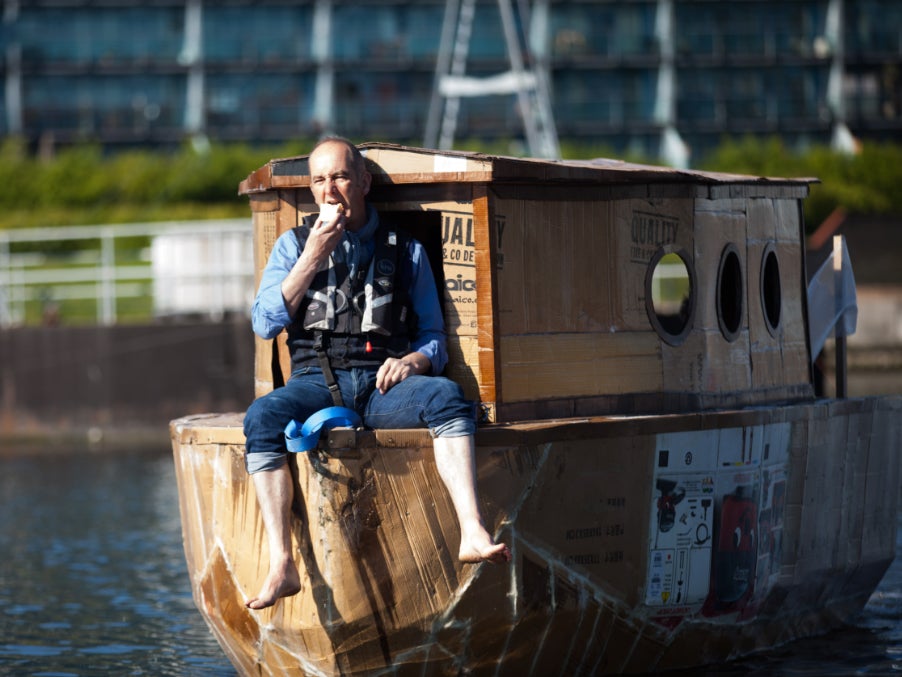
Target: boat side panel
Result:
[[812, 490]]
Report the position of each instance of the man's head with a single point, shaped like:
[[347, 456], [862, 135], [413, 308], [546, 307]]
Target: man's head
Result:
[[338, 175]]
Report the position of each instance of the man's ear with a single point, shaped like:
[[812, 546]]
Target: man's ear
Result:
[[367, 182]]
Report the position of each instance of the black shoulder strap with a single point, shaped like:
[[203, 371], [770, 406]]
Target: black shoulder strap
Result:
[[319, 348]]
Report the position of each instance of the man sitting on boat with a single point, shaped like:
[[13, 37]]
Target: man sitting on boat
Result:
[[381, 345]]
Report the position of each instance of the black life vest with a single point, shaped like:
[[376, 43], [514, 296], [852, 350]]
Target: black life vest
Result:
[[362, 321]]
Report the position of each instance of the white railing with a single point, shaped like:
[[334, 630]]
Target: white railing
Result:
[[201, 268]]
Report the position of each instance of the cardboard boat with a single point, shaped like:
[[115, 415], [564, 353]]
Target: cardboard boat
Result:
[[673, 490]]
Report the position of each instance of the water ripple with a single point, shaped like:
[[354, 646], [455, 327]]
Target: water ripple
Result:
[[93, 581]]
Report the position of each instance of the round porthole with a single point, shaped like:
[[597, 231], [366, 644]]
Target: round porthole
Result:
[[771, 291], [730, 293], [670, 294]]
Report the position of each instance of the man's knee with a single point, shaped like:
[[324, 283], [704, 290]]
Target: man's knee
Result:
[[264, 460], [449, 403], [264, 436]]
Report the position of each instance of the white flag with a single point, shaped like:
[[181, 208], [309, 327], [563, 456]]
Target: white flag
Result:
[[832, 300]]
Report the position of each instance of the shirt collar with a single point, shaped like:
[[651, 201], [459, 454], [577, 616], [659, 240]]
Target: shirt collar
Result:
[[372, 223]]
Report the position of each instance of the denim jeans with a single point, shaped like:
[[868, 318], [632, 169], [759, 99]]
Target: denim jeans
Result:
[[432, 402]]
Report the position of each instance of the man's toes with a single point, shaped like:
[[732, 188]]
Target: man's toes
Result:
[[499, 554]]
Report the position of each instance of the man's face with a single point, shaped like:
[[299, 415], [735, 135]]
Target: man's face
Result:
[[334, 180]]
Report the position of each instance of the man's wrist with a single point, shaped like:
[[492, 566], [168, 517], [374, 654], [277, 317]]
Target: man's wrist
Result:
[[418, 362]]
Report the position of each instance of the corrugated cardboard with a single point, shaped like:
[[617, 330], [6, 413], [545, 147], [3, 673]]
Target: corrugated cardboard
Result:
[[615, 527], [545, 267]]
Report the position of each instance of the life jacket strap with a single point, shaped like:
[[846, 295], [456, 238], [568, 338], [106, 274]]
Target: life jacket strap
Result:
[[323, 357]]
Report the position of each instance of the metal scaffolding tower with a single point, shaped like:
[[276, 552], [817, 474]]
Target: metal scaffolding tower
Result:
[[527, 77]]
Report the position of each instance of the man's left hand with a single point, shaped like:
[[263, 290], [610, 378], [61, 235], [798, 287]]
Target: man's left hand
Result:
[[394, 370]]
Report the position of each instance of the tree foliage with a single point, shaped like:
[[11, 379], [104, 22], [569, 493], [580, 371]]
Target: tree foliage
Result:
[[865, 182], [83, 184]]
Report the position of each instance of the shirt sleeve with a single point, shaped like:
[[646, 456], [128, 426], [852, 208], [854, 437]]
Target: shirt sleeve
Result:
[[430, 339], [269, 314]]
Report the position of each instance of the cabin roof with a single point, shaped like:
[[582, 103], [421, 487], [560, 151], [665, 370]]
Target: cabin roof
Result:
[[396, 164]]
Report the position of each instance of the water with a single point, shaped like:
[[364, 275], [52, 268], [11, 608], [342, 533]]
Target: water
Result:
[[92, 572], [93, 582]]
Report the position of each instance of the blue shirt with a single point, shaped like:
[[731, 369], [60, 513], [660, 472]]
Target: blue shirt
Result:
[[269, 315]]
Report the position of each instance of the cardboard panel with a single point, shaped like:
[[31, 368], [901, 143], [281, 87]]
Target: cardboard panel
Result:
[[406, 164], [779, 356], [463, 351], [792, 280], [617, 527], [641, 229], [487, 232], [459, 264], [587, 514], [546, 366], [517, 269], [789, 220], [549, 271], [719, 224]]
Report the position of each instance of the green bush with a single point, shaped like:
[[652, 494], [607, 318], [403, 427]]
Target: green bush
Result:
[[865, 182], [82, 184]]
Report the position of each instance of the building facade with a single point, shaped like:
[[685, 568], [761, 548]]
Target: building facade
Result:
[[657, 77]]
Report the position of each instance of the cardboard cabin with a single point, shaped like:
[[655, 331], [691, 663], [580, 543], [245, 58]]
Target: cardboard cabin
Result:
[[551, 276]]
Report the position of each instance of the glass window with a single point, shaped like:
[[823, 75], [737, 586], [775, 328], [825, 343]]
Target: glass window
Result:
[[387, 32], [874, 92], [872, 27], [698, 27], [670, 294], [372, 103], [747, 94], [495, 115], [800, 28], [622, 29], [259, 100], [615, 97], [802, 93], [750, 29], [423, 31], [259, 33], [699, 95], [89, 35], [487, 40], [89, 105]]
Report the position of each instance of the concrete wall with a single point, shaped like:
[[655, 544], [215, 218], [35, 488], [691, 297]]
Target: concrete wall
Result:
[[123, 380]]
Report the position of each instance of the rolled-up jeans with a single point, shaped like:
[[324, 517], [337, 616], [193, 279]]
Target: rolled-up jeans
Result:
[[433, 402]]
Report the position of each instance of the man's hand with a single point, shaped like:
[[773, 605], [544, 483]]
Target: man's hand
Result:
[[321, 242], [394, 370], [323, 238]]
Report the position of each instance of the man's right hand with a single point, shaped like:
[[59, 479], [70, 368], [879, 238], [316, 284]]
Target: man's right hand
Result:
[[323, 239], [321, 242]]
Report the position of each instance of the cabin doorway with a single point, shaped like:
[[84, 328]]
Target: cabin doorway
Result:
[[425, 226]]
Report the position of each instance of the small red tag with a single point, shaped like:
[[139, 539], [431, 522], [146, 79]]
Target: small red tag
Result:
[[369, 347]]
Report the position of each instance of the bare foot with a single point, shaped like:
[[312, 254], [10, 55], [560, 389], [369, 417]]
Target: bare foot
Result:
[[480, 547], [282, 582]]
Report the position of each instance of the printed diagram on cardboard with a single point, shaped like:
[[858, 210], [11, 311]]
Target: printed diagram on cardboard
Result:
[[716, 521]]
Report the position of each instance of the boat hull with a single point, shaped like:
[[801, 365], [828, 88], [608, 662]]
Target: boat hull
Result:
[[639, 543]]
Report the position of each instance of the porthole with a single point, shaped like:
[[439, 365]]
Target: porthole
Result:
[[771, 291], [730, 293], [670, 294]]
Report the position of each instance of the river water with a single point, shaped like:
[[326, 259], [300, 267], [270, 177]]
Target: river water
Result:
[[93, 581]]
